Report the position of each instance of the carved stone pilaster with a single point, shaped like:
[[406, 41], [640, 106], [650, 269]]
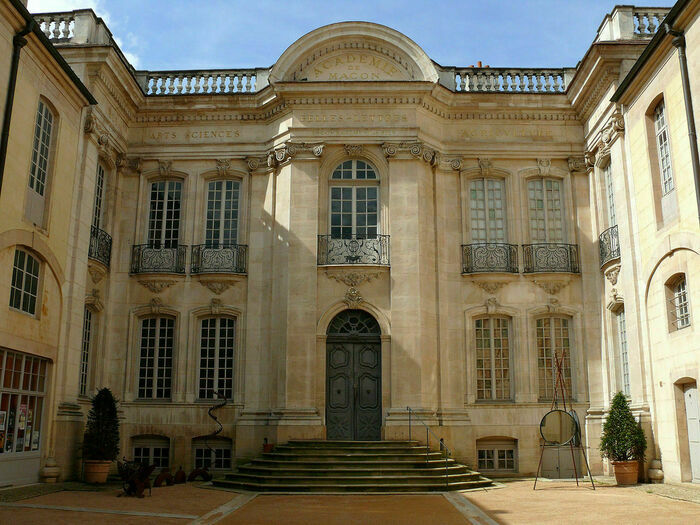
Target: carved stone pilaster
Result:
[[577, 164], [414, 149], [128, 165]]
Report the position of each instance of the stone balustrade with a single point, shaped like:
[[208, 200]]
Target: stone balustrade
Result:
[[57, 26], [648, 20], [502, 80], [199, 82]]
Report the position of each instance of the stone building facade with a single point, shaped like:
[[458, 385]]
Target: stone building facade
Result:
[[351, 232]]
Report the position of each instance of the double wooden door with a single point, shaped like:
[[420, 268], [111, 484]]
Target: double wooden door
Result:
[[353, 389]]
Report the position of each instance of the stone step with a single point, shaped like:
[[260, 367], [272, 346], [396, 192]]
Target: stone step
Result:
[[380, 479], [305, 462], [403, 449], [357, 471], [352, 456], [324, 487], [344, 443]]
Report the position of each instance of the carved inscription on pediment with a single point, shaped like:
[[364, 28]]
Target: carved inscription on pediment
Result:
[[354, 65]]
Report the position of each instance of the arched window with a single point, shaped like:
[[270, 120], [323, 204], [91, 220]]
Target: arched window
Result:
[[40, 164], [24, 289], [354, 322], [222, 213], [553, 343], [354, 201], [493, 381], [546, 208], [217, 346], [164, 214], [487, 210], [156, 358]]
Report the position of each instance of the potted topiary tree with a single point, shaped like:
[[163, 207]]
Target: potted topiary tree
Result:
[[101, 439], [623, 441]]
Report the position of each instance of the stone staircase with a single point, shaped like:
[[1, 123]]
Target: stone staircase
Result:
[[352, 466]]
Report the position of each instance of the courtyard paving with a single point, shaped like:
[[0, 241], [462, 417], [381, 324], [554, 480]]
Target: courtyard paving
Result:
[[514, 502]]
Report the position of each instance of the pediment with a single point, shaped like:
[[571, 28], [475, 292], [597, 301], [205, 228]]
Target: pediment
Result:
[[353, 51]]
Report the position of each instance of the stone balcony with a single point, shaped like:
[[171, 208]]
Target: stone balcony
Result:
[[627, 22], [355, 250]]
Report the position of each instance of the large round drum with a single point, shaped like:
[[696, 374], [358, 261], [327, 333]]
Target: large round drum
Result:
[[558, 427]]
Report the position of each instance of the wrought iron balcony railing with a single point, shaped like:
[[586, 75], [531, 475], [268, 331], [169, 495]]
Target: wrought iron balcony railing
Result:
[[354, 250], [609, 245], [550, 257], [223, 258], [489, 257], [146, 258], [100, 246]]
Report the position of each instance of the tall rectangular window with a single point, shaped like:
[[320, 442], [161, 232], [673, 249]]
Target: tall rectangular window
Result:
[[25, 282], [610, 194], [553, 343], [222, 213], [487, 212], [354, 202], [39, 167], [217, 346], [85, 352], [99, 192], [492, 359], [546, 210], [624, 356], [156, 358], [164, 214], [662, 148]]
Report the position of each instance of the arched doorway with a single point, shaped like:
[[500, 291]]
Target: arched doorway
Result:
[[353, 377]]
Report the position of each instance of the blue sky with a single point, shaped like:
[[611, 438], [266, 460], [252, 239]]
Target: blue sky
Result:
[[188, 34]]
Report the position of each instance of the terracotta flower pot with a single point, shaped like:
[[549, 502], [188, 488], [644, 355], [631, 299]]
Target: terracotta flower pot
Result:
[[96, 471], [626, 472]]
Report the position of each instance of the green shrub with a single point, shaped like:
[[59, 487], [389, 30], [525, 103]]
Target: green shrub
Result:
[[623, 438], [101, 439]]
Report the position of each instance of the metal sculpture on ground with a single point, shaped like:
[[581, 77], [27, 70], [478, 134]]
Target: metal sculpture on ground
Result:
[[135, 477], [560, 427]]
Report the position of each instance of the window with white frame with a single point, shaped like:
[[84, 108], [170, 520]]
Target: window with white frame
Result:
[[152, 450], [222, 213], [99, 194], [164, 214], [24, 289], [22, 392], [492, 358], [553, 344], [487, 210], [679, 302], [213, 454], [624, 356], [40, 163], [546, 206], [217, 347], [494, 455], [85, 352], [610, 194], [156, 358], [354, 201], [663, 149]]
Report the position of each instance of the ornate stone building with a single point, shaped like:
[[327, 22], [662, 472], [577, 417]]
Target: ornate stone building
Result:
[[351, 232]]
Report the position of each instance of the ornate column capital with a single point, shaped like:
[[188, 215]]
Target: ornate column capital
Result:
[[128, 165], [410, 149], [577, 164], [286, 152], [450, 163]]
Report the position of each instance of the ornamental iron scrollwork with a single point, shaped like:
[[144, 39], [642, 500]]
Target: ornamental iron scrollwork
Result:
[[353, 250], [228, 258], [550, 257], [146, 258], [100, 246], [354, 322], [489, 257], [609, 245]]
